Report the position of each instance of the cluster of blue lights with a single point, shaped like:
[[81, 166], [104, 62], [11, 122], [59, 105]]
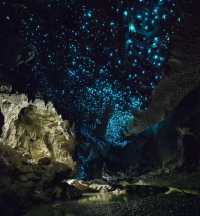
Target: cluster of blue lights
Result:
[[147, 41], [108, 60], [118, 121]]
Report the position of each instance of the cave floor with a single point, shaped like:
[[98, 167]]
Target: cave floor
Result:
[[138, 202], [156, 194]]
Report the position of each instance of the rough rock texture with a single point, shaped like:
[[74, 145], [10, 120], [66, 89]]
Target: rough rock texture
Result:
[[181, 76], [36, 150], [168, 94], [23, 184], [170, 144], [97, 185], [36, 130]]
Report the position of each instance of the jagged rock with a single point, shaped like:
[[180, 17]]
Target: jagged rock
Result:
[[24, 184], [91, 186], [36, 150], [36, 130], [79, 184]]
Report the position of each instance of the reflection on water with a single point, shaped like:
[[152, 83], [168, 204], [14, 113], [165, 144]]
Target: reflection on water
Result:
[[84, 206], [111, 203], [104, 197]]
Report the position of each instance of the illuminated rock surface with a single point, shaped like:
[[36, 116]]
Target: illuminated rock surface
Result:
[[35, 153], [35, 130]]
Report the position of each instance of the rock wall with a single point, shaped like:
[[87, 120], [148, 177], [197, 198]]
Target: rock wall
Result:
[[36, 130], [36, 153], [181, 76]]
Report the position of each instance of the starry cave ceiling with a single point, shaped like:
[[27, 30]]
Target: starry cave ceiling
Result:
[[97, 61]]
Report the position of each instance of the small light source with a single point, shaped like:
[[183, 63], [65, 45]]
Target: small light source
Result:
[[89, 14], [125, 13], [132, 28], [129, 41]]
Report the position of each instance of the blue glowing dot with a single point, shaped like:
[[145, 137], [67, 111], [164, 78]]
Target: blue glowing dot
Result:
[[156, 39], [89, 14], [155, 10], [154, 45], [162, 59], [125, 13], [156, 57], [129, 41], [112, 23], [164, 16], [139, 16], [132, 28], [130, 52]]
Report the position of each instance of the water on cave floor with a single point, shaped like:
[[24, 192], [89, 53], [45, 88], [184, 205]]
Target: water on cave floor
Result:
[[145, 201]]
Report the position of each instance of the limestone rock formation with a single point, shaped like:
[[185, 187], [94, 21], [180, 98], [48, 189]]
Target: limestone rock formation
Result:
[[23, 184], [36, 152], [36, 130]]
